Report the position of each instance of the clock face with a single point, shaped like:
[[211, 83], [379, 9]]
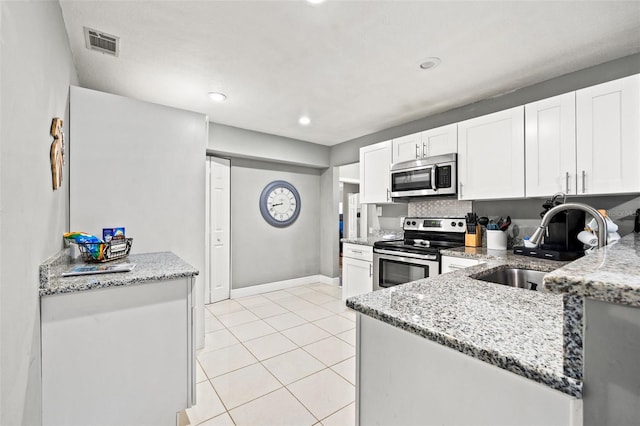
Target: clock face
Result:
[[280, 203]]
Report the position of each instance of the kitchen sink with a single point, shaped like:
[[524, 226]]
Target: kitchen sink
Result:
[[514, 277]]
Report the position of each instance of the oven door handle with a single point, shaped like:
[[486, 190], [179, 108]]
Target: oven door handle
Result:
[[406, 254]]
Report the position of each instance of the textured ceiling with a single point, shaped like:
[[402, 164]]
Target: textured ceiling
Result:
[[352, 66]]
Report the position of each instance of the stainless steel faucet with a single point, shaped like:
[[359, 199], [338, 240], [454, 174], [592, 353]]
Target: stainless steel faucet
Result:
[[602, 224]]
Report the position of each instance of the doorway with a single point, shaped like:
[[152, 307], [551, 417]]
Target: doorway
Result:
[[219, 229], [349, 206]]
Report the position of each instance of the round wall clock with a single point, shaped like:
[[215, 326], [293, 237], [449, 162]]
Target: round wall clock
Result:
[[280, 203]]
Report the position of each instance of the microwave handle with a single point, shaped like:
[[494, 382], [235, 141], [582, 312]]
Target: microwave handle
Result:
[[433, 177]]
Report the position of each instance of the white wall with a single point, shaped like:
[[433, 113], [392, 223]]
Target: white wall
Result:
[[329, 221], [246, 144], [36, 70], [350, 173], [262, 253], [227, 141], [141, 166]]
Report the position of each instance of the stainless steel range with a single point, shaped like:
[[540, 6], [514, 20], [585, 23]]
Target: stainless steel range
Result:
[[417, 256]]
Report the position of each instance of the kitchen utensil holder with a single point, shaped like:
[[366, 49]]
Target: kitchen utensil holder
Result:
[[112, 250], [473, 240], [496, 240]]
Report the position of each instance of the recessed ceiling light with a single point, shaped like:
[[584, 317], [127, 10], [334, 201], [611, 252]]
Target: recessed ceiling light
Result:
[[315, 1], [304, 120], [218, 97], [430, 63]]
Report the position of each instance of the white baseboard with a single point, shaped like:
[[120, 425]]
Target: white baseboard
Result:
[[328, 280], [281, 285]]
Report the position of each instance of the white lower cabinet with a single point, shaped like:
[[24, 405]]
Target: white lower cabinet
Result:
[[118, 355], [405, 379], [357, 270], [451, 263]]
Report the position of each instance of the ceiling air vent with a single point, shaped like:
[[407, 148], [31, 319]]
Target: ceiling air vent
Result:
[[102, 42]]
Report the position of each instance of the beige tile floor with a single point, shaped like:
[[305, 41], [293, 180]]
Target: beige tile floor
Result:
[[280, 358]]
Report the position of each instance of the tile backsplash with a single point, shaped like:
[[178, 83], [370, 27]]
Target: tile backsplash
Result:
[[435, 208]]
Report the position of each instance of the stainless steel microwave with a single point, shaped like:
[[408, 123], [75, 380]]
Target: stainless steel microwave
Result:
[[425, 177]]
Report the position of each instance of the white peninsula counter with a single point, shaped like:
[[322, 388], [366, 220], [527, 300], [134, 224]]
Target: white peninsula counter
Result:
[[117, 348]]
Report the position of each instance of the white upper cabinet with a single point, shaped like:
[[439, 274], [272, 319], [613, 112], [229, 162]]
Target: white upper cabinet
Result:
[[439, 141], [608, 137], [550, 143], [375, 162], [407, 148], [432, 142], [491, 156]]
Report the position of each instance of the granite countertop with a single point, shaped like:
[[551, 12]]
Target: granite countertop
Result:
[[370, 240], [515, 329], [149, 267], [361, 241], [610, 274], [482, 253]]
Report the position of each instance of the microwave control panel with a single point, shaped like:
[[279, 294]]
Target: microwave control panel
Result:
[[443, 177]]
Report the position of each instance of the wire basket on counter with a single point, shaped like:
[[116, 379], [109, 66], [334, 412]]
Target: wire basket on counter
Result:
[[105, 252]]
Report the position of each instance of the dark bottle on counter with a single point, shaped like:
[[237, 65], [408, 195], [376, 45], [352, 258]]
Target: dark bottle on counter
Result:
[[636, 222]]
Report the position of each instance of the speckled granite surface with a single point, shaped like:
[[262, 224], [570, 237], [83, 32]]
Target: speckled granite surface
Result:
[[610, 274], [573, 335], [485, 254], [515, 329], [149, 267], [361, 241]]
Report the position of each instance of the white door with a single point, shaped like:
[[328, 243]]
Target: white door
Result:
[[357, 277], [407, 148], [550, 126], [354, 205], [439, 141], [219, 225], [491, 156], [375, 162], [608, 131]]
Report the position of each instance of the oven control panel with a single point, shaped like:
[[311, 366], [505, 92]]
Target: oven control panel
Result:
[[441, 224]]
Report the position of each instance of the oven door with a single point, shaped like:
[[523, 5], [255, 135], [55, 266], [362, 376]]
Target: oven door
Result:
[[391, 268]]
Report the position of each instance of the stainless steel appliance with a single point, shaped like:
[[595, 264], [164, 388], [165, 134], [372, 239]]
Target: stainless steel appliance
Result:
[[425, 177], [417, 256]]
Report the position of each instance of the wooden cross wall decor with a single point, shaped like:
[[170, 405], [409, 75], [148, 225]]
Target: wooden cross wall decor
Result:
[[57, 152]]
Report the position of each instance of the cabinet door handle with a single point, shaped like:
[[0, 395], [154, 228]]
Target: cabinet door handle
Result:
[[424, 149], [567, 182], [460, 189], [584, 180], [370, 270], [388, 195], [417, 151]]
